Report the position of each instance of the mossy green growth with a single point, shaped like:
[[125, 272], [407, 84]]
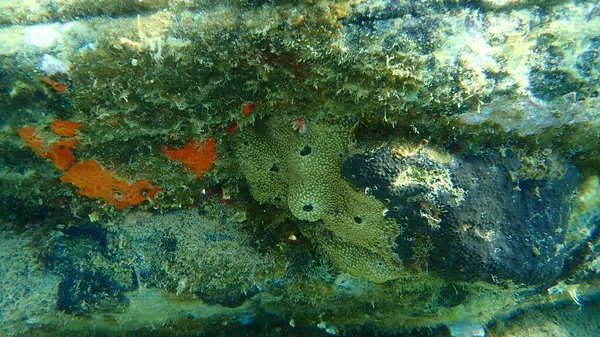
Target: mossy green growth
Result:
[[300, 171], [361, 262]]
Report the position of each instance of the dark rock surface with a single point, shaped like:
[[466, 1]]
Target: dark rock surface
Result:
[[80, 258], [503, 229]]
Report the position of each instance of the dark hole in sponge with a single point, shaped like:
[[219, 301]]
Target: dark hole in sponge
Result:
[[274, 168], [357, 219], [307, 208], [305, 151]]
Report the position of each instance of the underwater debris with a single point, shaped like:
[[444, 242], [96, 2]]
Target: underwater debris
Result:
[[197, 156]]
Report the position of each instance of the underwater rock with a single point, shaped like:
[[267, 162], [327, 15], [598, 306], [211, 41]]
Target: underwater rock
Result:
[[466, 329], [197, 256], [180, 251], [154, 74], [26, 290], [89, 283], [491, 216]]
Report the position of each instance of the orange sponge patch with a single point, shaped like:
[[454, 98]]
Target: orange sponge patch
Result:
[[95, 182], [65, 128], [197, 156], [60, 153], [247, 108], [32, 139], [91, 179]]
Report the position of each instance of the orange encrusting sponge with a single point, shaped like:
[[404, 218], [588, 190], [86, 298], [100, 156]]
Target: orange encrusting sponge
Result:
[[197, 156], [65, 128], [32, 139], [91, 179], [95, 182], [58, 152]]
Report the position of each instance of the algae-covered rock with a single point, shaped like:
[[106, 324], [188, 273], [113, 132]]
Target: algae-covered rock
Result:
[[181, 251], [428, 237], [150, 78], [479, 217]]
